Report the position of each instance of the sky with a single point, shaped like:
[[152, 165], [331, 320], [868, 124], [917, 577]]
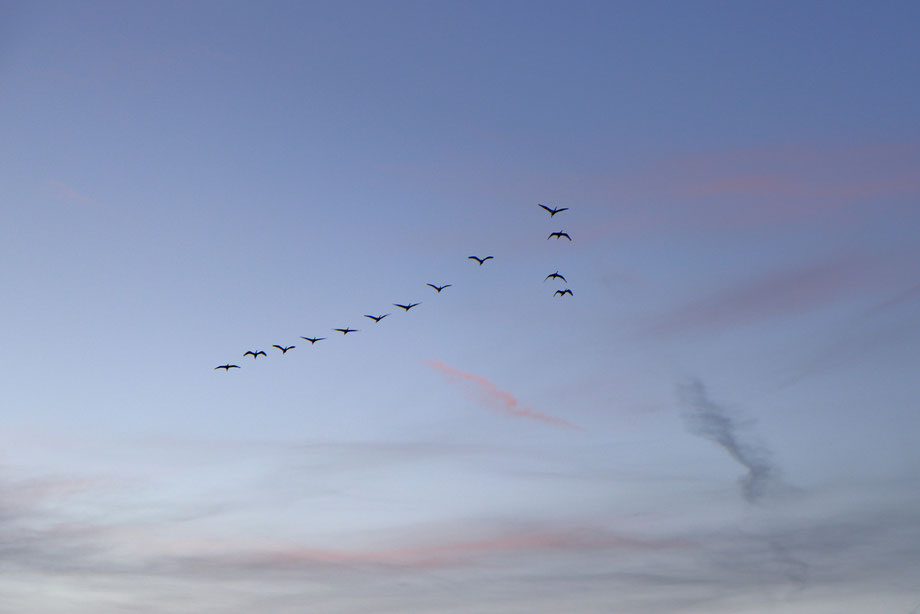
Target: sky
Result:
[[721, 418]]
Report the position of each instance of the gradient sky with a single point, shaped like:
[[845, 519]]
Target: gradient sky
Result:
[[722, 419]]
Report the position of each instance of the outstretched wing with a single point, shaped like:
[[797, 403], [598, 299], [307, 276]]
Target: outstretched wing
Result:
[[547, 208]]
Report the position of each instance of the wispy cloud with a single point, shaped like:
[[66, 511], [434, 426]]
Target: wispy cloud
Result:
[[773, 295], [66, 192], [713, 422], [496, 399]]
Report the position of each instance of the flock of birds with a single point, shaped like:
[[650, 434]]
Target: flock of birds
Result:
[[407, 306]]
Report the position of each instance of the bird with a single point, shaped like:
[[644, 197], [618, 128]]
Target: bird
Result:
[[227, 367], [312, 340], [479, 260], [563, 292], [283, 349], [255, 354], [559, 235], [376, 318], [439, 288], [406, 307], [346, 330], [555, 275], [554, 210]]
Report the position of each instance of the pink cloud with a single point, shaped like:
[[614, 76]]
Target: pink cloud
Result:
[[768, 185], [496, 399], [439, 554], [774, 295], [66, 192]]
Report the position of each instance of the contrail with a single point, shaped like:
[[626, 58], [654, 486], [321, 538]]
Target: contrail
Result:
[[711, 421], [496, 399]]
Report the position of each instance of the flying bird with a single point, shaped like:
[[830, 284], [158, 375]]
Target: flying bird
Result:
[[563, 292], [559, 235], [555, 275], [312, 340], [553, 211], [284, 350], [406, 307], [346, 330], [227, 367], [376, 318], [439, 288], [255, 354], [479, 260]]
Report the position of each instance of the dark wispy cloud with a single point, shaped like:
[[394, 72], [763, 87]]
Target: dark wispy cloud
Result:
[[715, 423]]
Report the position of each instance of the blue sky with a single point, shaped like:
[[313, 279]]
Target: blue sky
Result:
[[722, 418]]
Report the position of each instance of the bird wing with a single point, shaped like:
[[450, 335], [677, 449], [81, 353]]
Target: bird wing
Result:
[[279, 347], [545, 207], [474, 258], [250, 352], [435, 287], [260, 352], [487, 257], [562, 209]]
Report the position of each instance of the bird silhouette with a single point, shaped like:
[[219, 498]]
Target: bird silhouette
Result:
[[559, 235], [554, 210], [227, 367], [406, 307], [376, 318], [255, 354], [283, 349], [563, 292], [439, 288], [312, 340], [479, 260], [346, 330], [555, 275]]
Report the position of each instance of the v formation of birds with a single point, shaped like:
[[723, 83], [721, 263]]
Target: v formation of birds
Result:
[[284, 349]]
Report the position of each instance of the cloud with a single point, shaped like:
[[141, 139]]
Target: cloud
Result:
[[62, 190], [713, 422], [496, 399], [774, 295]]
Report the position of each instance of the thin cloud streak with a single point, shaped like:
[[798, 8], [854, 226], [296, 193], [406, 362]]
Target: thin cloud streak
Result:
[[496, 399], [62, 190], [713, 422], [778, 294]]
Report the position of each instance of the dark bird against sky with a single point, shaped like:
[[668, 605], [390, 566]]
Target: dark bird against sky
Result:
[[563, 292], [439, 288], [406, 307], [346, 330], [555, 275], [284, 350], [376, 318], [255, 354], [227, 367], [479, 260], [554, 211], [312, 340], [559, 235]]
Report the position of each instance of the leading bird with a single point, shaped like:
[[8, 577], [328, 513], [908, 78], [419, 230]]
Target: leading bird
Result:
[[559, 235], [554, 210]]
